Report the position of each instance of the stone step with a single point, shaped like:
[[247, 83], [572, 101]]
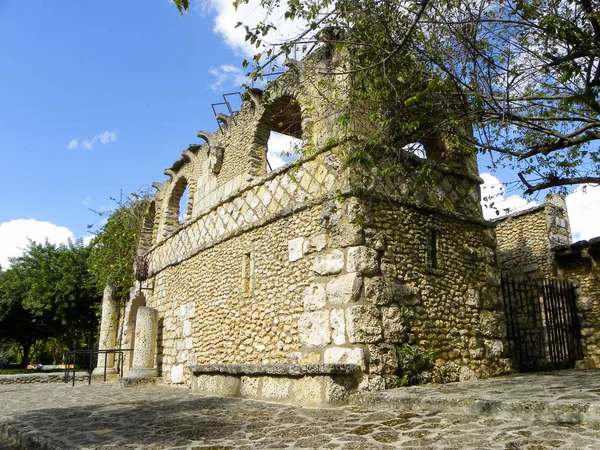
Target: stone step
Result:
[[546, 396]]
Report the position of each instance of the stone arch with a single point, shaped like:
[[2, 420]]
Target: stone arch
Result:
[[173, 212], [149, 229], [282, 116], [129, 341]]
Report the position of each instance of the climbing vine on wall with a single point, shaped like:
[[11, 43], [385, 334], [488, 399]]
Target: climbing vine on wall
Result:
[[414, 361], [114, 247]]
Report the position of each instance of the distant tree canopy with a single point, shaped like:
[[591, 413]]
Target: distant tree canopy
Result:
[[524, 73], [47, 293], [51, 295]]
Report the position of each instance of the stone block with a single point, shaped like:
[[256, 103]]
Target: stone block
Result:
[[216, 385], [338, 326], [177, 374], [307, 390], [344, 355], [182, 356], [371, 383], [329, 264], [362, 324], [313, 328], [275, 388], [493, 348], [344, 289], [472, 298], [362, 259], [249, 387], [337, 389], [377, 291], [187, 328], [315, 243], [491, 323], [584, 303], [394, 326], [466, 374], [383, 359], [490, 298], [347, 234], [405, 294], [295, 249], [314, 297], [190, 310]]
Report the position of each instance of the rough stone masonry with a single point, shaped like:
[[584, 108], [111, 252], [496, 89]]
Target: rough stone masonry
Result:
[[315, 265]]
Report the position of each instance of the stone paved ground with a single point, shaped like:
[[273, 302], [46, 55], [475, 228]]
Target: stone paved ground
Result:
[[106, 416], [564, 396]]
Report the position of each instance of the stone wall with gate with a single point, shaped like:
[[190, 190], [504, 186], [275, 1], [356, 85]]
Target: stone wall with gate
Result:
[[536, 244], [316, 262]]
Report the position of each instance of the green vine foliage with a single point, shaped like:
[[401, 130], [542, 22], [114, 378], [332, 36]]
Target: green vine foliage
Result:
[[114, 247], [414, 362]]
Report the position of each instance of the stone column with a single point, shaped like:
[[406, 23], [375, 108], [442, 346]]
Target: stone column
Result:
[[108, 333], [144, 353]]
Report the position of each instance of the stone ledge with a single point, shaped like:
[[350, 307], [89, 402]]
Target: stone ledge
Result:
[[291, 370], [53, 377], [130, 382]]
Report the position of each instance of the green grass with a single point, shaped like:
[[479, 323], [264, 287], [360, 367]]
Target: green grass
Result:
[[12, 371]]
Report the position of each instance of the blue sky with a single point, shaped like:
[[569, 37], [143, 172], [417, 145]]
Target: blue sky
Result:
[[99, 97]]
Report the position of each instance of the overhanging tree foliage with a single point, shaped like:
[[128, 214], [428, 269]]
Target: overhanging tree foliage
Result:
[[525, 73]]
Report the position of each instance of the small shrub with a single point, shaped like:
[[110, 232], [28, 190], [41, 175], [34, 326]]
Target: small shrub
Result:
[[413, 362]]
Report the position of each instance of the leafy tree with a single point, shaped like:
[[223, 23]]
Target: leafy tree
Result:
[[48, 292], [115, 246], [525, 73], [18, 325]]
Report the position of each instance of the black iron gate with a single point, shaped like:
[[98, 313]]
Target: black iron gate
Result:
[[543, 329]]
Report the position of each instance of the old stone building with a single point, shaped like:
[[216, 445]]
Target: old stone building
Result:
[[535, 245], [299, 283]]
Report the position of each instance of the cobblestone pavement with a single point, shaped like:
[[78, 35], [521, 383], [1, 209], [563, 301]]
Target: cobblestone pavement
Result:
[[107, 416]]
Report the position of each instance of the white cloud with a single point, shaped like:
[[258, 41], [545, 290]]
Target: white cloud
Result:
[[88, 239], [282, 149], [494, 201], [583, 206], [14, 234], [249, 14], [104, 138], [584, 212], [107, 137], [227, 76]]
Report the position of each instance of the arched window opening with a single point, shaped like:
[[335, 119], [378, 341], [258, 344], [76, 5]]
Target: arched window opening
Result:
[[282, 149], [417, 149], [282, 123], [179, 208], [183, 216], [148, 236], [436, 148]]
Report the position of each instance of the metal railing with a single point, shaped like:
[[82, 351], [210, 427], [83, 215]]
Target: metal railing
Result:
[[71, 361]]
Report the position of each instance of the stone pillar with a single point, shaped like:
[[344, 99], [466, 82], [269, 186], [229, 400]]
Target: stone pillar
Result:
[[144, 353], [108, 333], [557, 221]]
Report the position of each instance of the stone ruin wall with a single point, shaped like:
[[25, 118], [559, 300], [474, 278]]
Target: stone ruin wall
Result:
[[305, 264], [583, 271], [526, 238], [536, 243], [456, 304]]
